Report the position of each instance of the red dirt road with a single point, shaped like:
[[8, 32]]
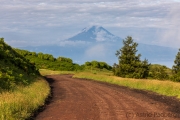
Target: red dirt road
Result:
[[78, 99]]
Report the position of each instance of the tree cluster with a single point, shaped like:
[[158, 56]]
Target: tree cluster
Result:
[[159, 72], [47, 61], [131, 66], [97, 64]]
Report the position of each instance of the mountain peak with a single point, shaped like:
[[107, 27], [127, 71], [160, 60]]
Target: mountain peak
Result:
[[91, 28], [94, 33]]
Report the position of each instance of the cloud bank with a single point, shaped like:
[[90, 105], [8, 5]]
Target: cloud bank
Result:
[[148, 21], [171, 35]]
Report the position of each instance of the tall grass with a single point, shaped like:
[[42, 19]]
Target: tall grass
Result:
[[22, 102], [51, 72], [167, 88]]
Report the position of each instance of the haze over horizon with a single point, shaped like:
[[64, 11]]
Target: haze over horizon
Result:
[[37, 22]]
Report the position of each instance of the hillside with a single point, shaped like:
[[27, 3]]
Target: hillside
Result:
[[14, 68], [48, 61]]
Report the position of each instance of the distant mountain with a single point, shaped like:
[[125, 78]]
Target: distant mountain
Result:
[[97, 43], [95, 33]]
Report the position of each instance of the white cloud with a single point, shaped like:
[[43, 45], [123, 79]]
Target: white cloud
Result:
[[72, 43], [97, 51], [101, 36], [170, 35]]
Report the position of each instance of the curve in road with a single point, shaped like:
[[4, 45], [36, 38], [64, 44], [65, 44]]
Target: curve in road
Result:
[[79, 99]]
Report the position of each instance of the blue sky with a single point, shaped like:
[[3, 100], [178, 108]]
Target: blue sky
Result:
[[44, 22]]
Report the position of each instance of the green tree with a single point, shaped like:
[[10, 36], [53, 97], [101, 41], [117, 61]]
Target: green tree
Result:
[[95, 64], [87, 63], [63, 59], [41, 55], [176, 67], [130, 64], [158, 72], [115, 69], [33, 53], [103, 65]]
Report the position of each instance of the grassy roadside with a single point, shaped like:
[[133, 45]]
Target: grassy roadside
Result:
[[164, 87], [167, 88], [51, 72], [22, 102]]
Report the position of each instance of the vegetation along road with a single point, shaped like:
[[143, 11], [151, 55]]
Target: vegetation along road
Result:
[[80, 99]]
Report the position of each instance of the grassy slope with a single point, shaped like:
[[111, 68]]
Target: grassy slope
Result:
[[21, 103], [22, 90], [168, 88], [14, 68]]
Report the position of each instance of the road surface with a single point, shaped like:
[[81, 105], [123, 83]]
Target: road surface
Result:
[[80, 99]]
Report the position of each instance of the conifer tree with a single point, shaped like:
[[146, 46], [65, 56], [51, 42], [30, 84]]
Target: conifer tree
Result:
[[176, 67], [130, 64]]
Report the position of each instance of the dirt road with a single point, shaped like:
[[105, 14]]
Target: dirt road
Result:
[[78, 99]]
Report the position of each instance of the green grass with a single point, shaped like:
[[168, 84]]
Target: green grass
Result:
[[51, 72], [22, 90], [22, 102], [165, 87]]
